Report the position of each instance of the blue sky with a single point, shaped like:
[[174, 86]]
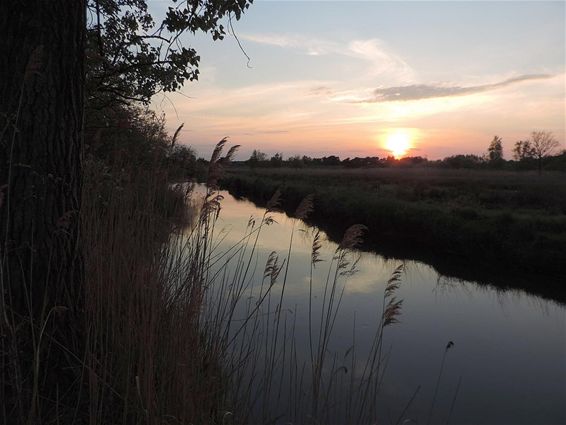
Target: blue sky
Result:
[[341, 77]]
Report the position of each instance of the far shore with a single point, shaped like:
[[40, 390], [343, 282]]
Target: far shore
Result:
[[506, 229]]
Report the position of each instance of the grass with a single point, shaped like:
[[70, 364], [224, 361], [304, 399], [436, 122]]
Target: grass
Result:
[[141, 333], [180, 332], [485, 189], [250, 323], [453, 219]]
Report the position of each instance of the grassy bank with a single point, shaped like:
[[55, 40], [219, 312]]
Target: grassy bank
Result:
[[174, 336], [139, 355], [140, 331], [505, 228]]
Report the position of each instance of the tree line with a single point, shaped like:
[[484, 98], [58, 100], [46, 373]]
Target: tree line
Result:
[[539, 152]]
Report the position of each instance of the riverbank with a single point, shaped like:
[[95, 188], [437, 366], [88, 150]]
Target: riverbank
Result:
[[502, 228]]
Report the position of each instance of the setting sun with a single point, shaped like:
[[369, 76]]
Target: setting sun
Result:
[[398, 143]]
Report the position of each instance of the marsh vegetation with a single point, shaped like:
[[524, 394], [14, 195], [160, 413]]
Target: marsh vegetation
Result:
[[486, 225]]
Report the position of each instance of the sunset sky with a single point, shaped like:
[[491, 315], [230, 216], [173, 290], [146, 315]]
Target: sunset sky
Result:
[[348, 78]]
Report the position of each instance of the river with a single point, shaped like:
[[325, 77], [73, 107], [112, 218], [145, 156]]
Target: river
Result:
[[506, 361]]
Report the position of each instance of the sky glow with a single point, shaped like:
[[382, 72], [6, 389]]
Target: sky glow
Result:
[[340, 77]]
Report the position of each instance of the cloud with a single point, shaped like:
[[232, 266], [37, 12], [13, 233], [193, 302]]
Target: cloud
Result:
[[261, 132], [382, 60], [424, 91], [321, 91], [312, 46]]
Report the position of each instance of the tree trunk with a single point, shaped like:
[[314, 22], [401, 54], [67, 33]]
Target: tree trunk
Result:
[[41, 113]]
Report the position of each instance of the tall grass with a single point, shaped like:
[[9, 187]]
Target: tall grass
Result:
[[145, 360], [246, 323], [180, 329]]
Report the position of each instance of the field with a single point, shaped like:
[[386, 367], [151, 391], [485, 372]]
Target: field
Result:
[[507, 228]]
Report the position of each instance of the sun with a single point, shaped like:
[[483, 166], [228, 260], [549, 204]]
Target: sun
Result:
[[398, 142]]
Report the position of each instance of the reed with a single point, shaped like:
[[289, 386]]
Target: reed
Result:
[[179, 330], [245, 313]]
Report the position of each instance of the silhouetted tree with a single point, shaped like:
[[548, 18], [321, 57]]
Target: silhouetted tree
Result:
[[557, 162], [316, 161], [412, 161], [495, 151], [523, 150], [542, 144], [307, 160], [130, 56], [256, 158], [331, 160], [277, 160], [296, 161], [463, 161]]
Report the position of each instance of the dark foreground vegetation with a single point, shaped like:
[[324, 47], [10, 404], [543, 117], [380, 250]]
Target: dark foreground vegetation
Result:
[[505, 228], [91, 329], [142, 354]]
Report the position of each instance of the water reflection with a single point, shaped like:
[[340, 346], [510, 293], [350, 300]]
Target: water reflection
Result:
[[507, 365]]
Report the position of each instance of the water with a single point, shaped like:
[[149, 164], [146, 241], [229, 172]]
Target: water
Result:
[[508, 362]]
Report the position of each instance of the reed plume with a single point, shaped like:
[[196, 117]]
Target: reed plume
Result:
[[352, 237], [215, 167], [176, 135], [315, 250], [393, 308], [305, 207], [274, 203], [272, 268]]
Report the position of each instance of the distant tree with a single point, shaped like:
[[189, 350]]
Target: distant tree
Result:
[[373, 161], [259, 155], [357, 162], [316, 161], [389, 161], [557, 162], [412, 161], [296, 161], [495, 151], [331, 160], [463, 161], [523, 150], [256, 158], [277, 160], [543, 145]]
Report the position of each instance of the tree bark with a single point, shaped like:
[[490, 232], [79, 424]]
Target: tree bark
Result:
[[41, 115]]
